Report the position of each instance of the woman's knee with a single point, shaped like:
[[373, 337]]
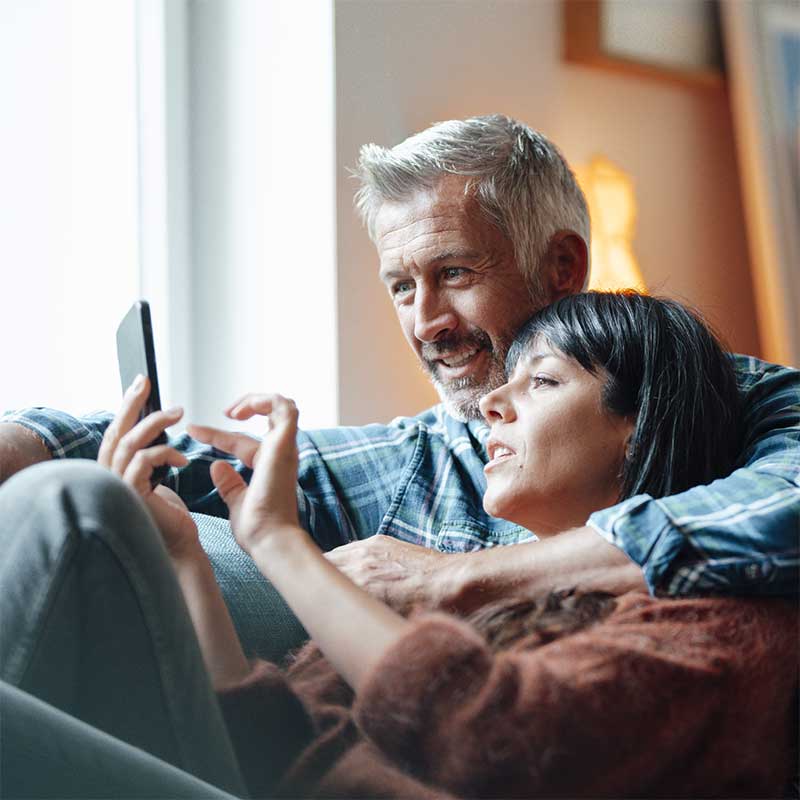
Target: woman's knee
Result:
[[62, 499]]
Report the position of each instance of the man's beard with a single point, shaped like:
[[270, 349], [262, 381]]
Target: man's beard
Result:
[[461, 396]]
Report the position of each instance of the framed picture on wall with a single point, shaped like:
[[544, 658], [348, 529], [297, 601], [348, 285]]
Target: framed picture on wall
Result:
[[762, 43], [677, 41]]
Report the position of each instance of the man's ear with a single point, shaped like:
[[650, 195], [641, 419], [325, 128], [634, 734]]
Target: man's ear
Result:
[[566, 265]]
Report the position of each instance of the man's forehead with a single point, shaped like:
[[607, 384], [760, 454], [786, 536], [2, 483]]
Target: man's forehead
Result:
[[423, 209], [435, 226]]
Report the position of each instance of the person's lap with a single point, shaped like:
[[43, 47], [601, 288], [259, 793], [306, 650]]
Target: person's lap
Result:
[[93, 622], [47, 753]]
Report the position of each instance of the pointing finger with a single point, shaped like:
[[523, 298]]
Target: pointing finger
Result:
[[250, 405], [237, 444]]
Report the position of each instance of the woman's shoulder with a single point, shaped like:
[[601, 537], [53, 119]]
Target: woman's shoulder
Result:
[[649, 608], [732, 628]]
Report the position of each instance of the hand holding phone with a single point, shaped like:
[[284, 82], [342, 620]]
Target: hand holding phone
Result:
[[137, 356]]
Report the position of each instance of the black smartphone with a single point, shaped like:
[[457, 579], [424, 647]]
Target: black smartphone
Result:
[[136, 354]]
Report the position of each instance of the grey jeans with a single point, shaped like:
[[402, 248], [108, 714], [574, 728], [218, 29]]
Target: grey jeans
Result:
[[93, 628]]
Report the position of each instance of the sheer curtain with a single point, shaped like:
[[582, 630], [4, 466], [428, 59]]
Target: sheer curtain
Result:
[[68, 198], [179, 151]]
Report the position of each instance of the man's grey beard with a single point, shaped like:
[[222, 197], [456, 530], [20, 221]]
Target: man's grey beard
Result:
[[466, 407]]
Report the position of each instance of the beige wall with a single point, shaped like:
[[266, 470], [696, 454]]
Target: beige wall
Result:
[[401, 65]]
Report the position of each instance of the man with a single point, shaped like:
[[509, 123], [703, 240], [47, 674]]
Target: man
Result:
[[477, 224]]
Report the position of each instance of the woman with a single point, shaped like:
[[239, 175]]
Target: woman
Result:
[[609, 396]]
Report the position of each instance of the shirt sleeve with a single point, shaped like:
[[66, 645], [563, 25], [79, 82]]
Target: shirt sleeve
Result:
[[67, 436], [622, 709], [739, 535], [347, 477]]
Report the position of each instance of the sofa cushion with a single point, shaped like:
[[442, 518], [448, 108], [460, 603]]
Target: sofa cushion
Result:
[[266, 626]]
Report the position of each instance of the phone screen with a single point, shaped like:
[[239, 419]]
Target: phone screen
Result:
[[137, 356]]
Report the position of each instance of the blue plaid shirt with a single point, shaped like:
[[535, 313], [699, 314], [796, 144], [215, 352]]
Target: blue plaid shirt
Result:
[[421, 479]]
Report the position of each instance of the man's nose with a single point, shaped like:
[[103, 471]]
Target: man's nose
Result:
[[496, 406], [433, 315]]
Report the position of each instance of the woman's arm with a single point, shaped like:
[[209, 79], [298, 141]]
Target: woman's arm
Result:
[[124, 450], [353, 629], [687, 698], [222, 651]]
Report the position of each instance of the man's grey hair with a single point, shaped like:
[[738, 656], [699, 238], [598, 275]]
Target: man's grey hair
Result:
[[518, 178]]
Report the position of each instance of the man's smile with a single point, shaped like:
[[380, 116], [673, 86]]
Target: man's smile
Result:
[[459, 364], [458, 359]]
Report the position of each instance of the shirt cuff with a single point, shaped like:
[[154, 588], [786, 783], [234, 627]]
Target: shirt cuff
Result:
[[645, 533], [64, 436]]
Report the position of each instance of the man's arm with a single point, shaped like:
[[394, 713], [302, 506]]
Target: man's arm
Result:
[[20, 447], [55, 434], [739, 535], [404, 575]]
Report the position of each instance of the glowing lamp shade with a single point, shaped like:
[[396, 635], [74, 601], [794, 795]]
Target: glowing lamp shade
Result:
[[612, 207]]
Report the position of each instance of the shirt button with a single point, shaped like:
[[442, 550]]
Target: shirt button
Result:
[[752, 572]]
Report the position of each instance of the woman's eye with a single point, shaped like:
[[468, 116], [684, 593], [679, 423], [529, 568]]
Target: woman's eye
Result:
[[541, 380]]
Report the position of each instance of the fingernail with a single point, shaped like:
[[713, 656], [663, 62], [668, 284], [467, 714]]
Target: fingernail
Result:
[[138, 383], [175, 411]]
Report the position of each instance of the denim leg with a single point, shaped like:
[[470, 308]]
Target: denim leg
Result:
[[47, 753], [93, 622]]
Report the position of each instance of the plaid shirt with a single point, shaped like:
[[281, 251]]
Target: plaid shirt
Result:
[[421, 479]]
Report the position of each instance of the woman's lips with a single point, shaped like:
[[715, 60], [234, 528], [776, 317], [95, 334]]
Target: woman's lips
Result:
[[498, 452]]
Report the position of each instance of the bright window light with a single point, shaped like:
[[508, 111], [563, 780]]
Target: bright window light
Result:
[[68, 211]]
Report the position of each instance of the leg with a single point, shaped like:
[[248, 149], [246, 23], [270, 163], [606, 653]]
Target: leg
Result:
[[94, 623], [46, 753]]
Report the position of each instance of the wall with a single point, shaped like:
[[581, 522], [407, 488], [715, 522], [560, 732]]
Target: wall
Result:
[[402, 65]]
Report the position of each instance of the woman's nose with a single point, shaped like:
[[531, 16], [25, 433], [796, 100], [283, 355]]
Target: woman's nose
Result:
[[496, 406]]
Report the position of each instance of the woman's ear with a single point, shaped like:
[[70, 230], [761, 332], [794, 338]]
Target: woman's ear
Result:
[[566, 265], [629, 444]]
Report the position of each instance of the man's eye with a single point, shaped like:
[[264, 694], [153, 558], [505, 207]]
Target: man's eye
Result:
[[451, 273], [402, 287]]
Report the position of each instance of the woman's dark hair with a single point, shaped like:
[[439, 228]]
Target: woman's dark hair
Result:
[[505, 622], [665, 368]]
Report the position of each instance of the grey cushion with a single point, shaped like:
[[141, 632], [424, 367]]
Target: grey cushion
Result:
[[265, 624]]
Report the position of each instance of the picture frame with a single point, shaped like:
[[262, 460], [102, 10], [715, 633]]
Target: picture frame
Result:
[[762, 41], [674, 41]]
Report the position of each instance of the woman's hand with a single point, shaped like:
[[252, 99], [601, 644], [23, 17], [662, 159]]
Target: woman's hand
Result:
[[353, 629], [124, 450], [268, 507]]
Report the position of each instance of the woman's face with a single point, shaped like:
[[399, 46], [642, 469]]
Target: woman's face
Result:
[[555, 451]]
